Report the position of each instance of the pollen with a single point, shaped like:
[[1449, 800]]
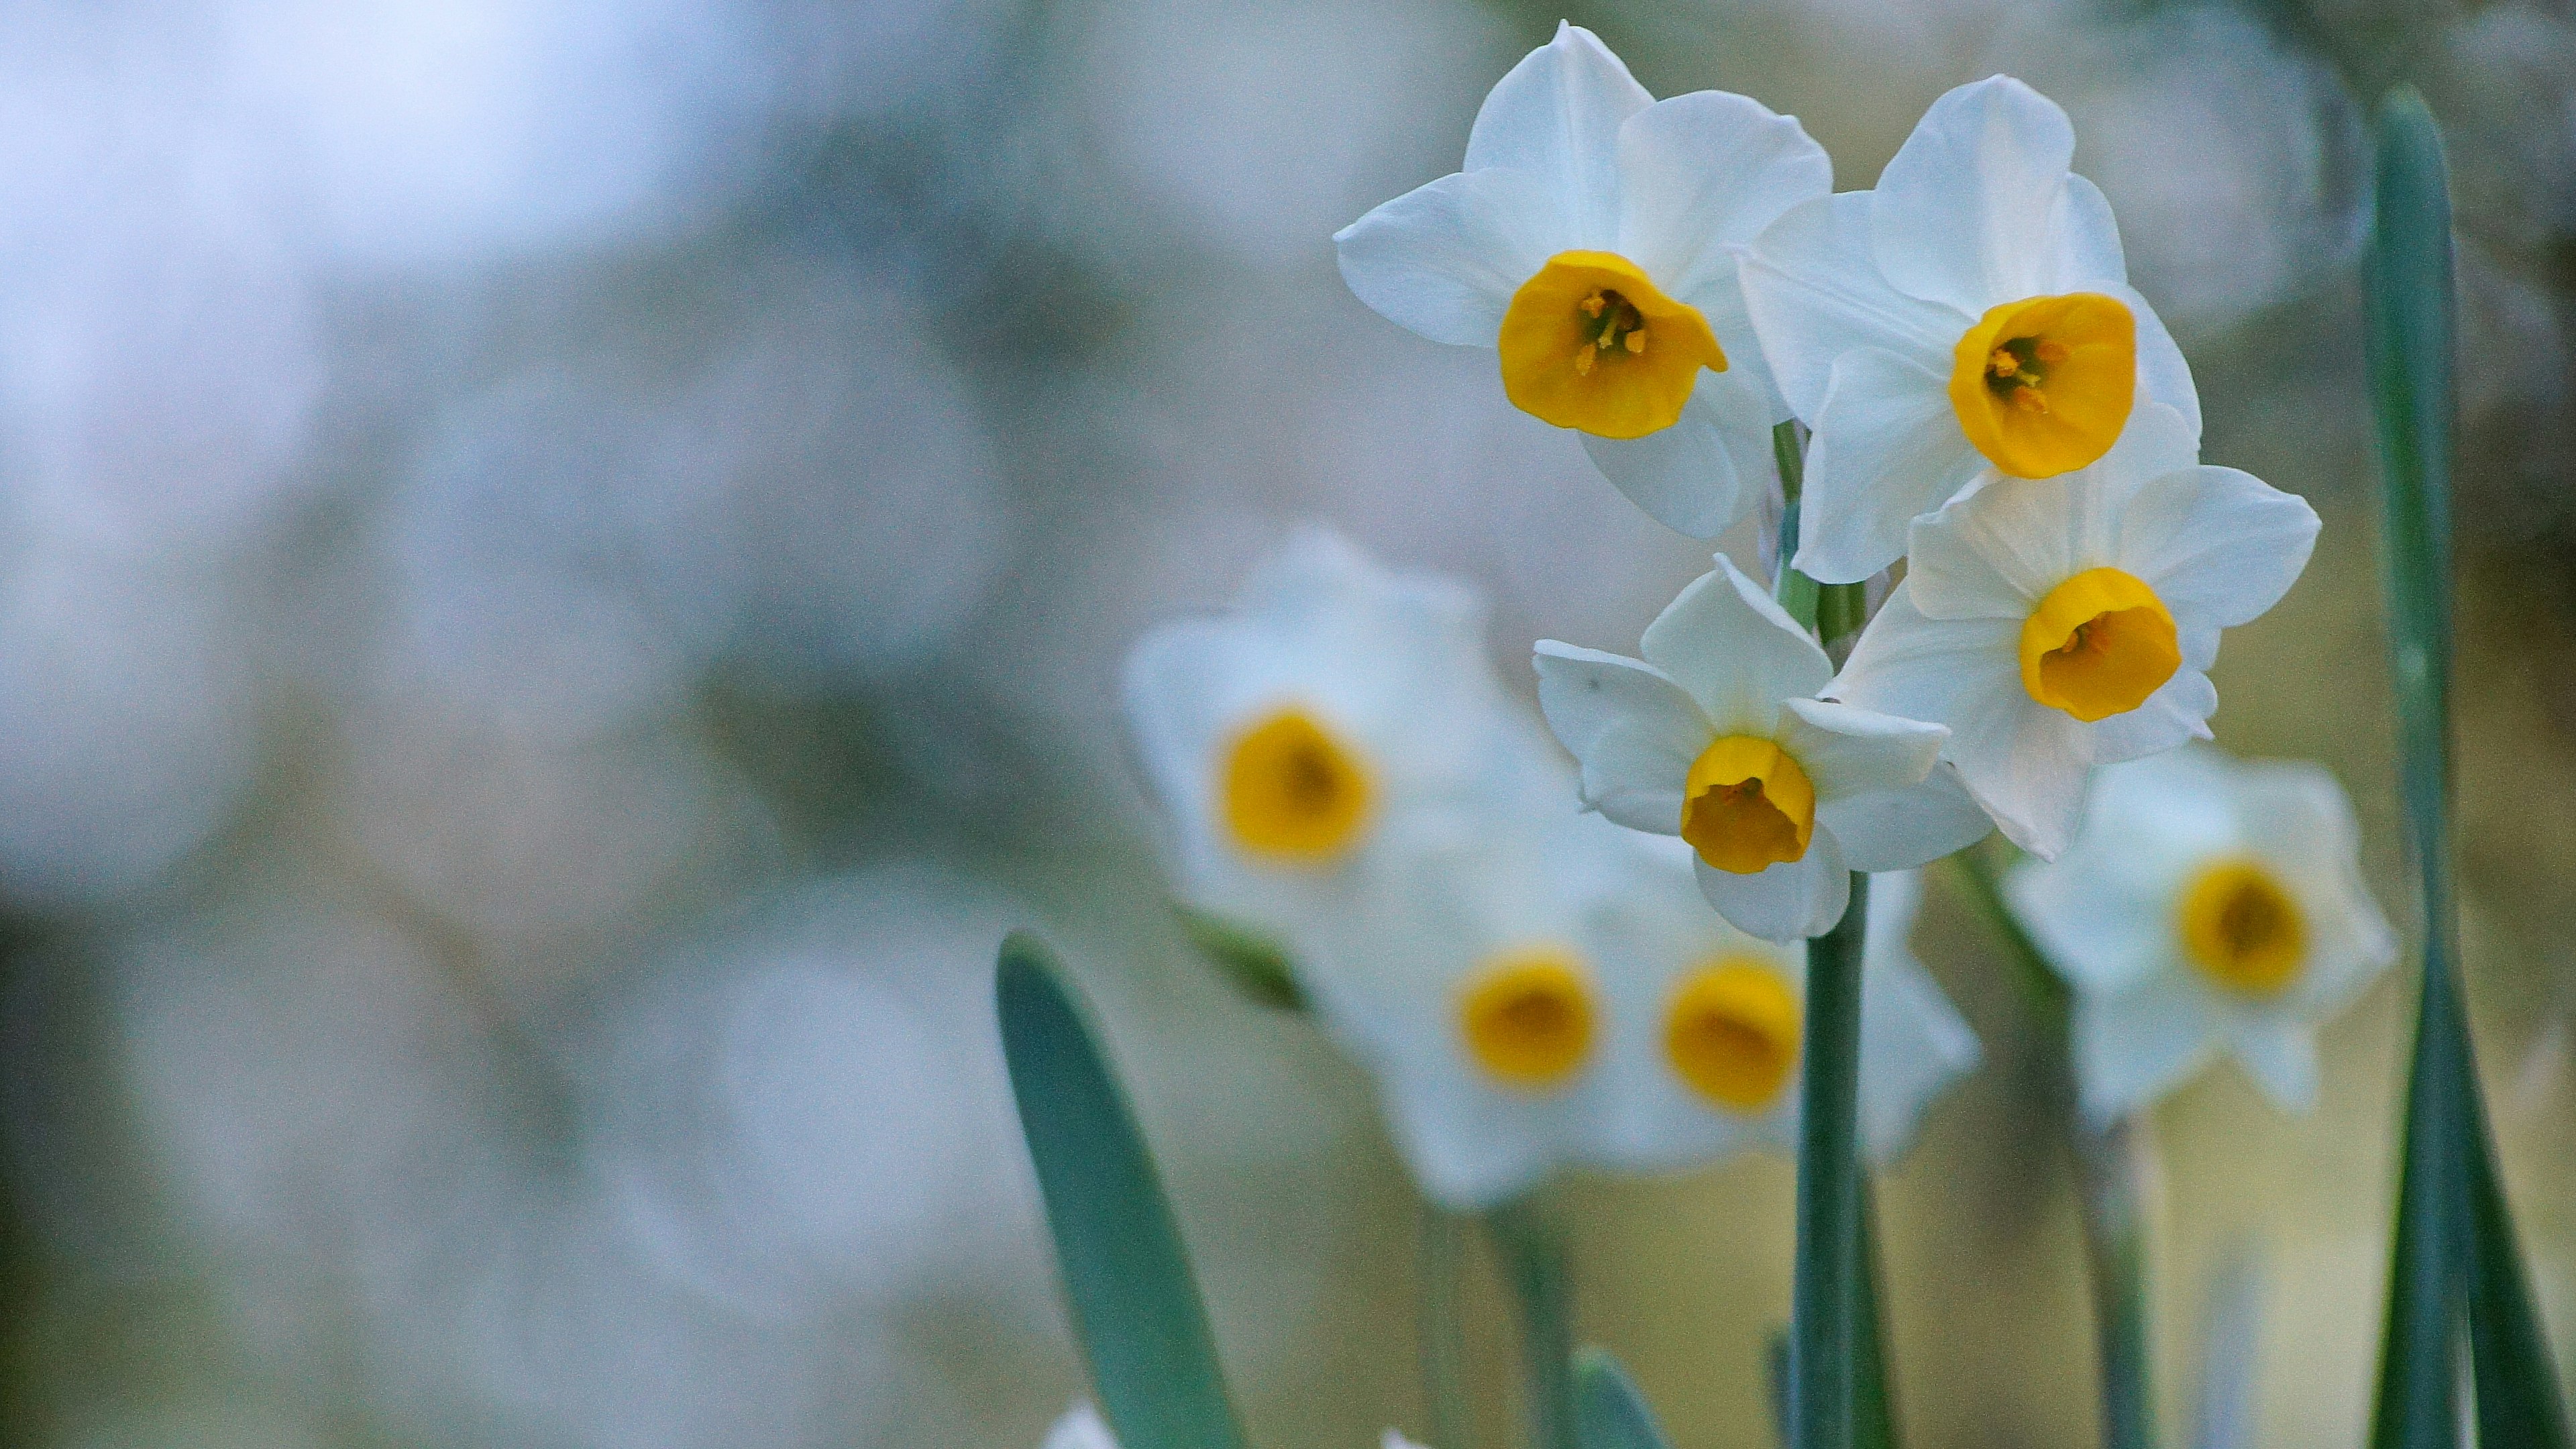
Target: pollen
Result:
[[1528, 1017], [1292, 792], [2098, 645], [2241, 926], [1731, 1033], [1747, 806], [1597, 308], [2043, 386]]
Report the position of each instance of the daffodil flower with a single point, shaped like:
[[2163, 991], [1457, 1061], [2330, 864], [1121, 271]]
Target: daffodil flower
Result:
[[2206, 905], [1718, 736], [1721, 1076], [1972, 312], [1592, 240], [1295, 740], [2061, 623]]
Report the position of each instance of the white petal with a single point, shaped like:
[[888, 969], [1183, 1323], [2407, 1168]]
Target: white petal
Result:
[[1725, 640], [1394, 1440], [2294, 815], [2179, 710], [1913, 1042], [1896, 830], [1557, 116], [1635, 732], [2133, 1047], [2219, 546], [1701, 173], [2163, 376], [1994, 552], [2087, 242], [1848, 751], [1812, 284], [1470, 1145], [2025, 763], [2100, 941], [1081, 1427], [1692, 476], [1790, 901], [1960, 208], [1443, 260], [1887, 447], [2282, 1060]]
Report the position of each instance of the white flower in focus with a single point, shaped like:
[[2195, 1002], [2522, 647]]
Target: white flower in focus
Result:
[[1718, 736], [1592, 239], [1296, 742], [1719, 1070], [1972, 311], [2207, 904], [2061, 623], [1081, 1427]]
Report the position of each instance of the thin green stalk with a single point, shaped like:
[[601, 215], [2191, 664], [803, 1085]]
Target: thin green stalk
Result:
[[1873, 1392], [1442, 1326], [1795, 591], [1974, 871], [1823, 1297], [1841, 610], [2116, 1175], [1533, 1251]]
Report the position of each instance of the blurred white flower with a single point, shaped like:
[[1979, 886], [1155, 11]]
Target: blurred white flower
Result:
[[1973, 310], [1718, 736], [2056, 624], [1340, 716], [1081, 1427], [1592, 239], [2207, 905]]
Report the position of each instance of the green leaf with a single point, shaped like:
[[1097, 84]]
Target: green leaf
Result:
[[1609, 1412], [1135, 1309], [1251, 958], [2456, 1260]]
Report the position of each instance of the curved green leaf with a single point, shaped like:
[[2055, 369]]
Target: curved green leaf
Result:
[[1126, 1275], [1250, 958], [1609, 1412]]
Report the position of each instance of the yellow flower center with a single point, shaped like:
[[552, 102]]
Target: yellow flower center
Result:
[[1528, 1017], [1291, 791], [2043, 386], [1746, 805], [1732, 1033], [2240, 926], [1591, 343], [2098, 645]]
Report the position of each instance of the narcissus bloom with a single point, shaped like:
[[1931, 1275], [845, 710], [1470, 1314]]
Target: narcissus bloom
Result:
[[2062, 623], [1592, 241], [1718, 736], [1297, 740], [2207, 905], [1729, 1030], [1972, 312]]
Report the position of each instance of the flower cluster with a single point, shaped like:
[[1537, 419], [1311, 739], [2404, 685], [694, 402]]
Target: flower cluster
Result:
[[1532, 985], [1988, 402]]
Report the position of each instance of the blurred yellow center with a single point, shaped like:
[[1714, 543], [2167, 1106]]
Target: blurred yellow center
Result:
[[2043, 386], [2098, 645], [2239, 924], [1732, 1033], [1291, 791], [1528, 1017], [1590, 343], [1747, 806]]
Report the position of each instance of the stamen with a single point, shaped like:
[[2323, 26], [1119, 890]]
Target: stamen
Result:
[[1636, 342], [1592, 305], [2030, 400], [2003, 364], [1583, 361]]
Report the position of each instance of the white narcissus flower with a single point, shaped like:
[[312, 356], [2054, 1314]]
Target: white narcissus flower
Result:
[[1973, 311], [1592, 240], [2057, 624], [1718, 736], [1296, 741], [1720, 1073], [2207, 905], [1081, 1427]]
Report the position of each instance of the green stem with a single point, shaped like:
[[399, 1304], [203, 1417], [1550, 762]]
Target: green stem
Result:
[[1975, 872], [1534, 1260], [2117, 1178], [1823, 1298], [1873, 1392], [1442, 1326], [1841, 610], [1795, 591]]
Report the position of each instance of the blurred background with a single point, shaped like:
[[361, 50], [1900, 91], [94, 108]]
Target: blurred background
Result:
[[562, 564]]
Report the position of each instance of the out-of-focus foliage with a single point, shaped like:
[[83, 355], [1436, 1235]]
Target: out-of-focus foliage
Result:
[[561, 571]]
